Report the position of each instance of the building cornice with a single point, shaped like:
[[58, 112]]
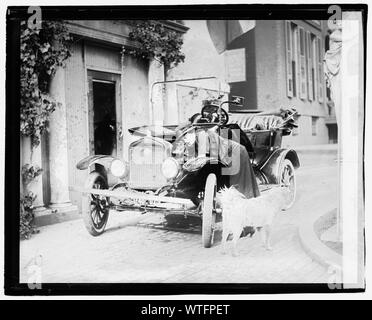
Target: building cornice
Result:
[[315, 23], [175, 25], [103, 36], [115, 38]]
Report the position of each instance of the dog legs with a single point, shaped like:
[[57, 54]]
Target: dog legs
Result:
[[236, 236], [265, 233], [225, 235]]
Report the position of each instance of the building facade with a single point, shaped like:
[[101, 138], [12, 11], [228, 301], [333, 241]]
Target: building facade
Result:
[[102, 83], [284, 63], [283, 68]]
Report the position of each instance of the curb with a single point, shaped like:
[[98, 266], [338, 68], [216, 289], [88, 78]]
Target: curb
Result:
[[49, 217], [330, 149], [320, 155], [314, 247]]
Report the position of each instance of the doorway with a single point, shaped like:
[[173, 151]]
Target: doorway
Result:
[[104, 117], [104, 113]]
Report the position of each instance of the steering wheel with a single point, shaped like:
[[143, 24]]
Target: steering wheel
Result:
[[210, 112]]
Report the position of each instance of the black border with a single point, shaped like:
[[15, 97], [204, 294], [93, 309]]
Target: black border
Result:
[[188, 12], [12, 150]]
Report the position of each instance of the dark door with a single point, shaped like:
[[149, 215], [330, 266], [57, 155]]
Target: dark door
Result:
[[104, 113]]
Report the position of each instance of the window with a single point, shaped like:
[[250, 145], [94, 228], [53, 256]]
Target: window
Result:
[[295, 131], [302, 63], [326, 48], [320, 69], [310, 67], [293, 58], [289, 59], [314, 121], [314, 66]]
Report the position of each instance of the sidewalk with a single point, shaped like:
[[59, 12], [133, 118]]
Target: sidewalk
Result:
[[317, 148], [314, 155]]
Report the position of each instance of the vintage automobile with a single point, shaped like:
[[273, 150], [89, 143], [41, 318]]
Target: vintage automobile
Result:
[[178, 170]]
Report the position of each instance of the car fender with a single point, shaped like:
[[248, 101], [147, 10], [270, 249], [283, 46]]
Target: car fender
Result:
[[270, 168], [103, 160]]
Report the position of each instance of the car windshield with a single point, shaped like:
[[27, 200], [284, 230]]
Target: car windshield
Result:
[[153, 130]]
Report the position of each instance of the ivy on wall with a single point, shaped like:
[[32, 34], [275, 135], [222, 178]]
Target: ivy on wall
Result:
[[155, 41], [42, 52], [26, 221]]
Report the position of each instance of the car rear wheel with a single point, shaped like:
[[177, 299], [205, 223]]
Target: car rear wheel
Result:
[[208, 210], [95, 207], [287, 177]]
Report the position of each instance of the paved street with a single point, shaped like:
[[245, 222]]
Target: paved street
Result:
[[142, 253]]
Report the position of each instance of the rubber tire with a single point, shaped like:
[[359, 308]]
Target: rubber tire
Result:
[[86, 200], [288, 163], [208, 214]]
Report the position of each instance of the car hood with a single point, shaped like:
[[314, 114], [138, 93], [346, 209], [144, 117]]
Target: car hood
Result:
[[167, 133]]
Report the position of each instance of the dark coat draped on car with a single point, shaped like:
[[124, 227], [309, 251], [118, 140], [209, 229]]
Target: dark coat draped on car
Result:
[[236, 157]]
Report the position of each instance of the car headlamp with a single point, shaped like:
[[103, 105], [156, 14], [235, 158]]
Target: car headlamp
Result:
[[170, 168], [118, 168]]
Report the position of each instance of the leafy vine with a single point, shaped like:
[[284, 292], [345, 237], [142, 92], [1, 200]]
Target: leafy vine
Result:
[[155, 41], [42, 52], [26, 222]]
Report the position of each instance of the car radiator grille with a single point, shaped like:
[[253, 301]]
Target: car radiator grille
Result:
[[146, 176], [145, 160]]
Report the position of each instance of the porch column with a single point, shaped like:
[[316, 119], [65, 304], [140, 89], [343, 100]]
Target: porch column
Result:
[[58, 148], [156, 73]]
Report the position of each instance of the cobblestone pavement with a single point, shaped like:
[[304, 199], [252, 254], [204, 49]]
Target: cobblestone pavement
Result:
[[127, 252]]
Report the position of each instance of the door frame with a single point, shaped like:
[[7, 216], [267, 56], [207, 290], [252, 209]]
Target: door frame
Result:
[[115, 78]]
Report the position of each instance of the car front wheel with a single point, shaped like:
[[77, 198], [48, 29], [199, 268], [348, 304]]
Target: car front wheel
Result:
[[208, 210], [95, 209]]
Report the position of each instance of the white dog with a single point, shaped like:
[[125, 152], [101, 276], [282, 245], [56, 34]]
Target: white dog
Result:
[[239, 212]]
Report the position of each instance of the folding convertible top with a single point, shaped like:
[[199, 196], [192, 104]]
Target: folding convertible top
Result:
[[249, 121]]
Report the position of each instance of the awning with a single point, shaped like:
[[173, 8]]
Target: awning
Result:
[[223, 32]]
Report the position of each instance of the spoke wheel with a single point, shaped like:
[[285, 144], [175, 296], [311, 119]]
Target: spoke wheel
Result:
[[287, 177], [209, 216], [95, 207]]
